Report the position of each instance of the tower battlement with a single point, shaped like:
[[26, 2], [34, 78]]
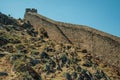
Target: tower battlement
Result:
[[33, 10]]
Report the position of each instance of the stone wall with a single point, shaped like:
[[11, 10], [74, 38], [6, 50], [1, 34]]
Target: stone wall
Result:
[[106, 46], [33, 10], [53, 32]]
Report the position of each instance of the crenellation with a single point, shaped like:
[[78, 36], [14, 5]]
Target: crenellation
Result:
[[33, 10]]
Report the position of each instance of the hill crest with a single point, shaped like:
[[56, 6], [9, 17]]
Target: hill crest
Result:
[[105, 46]]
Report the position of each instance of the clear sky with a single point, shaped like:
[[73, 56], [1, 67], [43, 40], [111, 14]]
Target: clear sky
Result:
[[103, 15]]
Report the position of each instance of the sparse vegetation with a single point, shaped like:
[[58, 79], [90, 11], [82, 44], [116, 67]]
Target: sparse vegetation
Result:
[[29, 54]]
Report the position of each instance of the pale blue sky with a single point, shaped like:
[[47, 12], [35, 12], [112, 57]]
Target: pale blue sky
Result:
[[103, 15]]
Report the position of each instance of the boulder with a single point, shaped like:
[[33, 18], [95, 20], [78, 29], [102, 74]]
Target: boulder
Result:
[[74, 75], [3, 41], [32, 32], [2, 55], [59, 68], [14, 57], [68, 76], [100, 74], [33, 62], [3, 74], [14, 41], [78, 68], [63, 58], [84, 51], [80, 77], [44, 55], [33, 73], [47, 68], [19, 67], [20, 47], [9, 48], [43, 33], [87, 63]]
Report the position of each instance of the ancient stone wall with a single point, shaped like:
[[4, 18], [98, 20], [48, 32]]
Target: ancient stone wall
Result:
[[33, 10], [52, 30], [106, 46], [103, 46]]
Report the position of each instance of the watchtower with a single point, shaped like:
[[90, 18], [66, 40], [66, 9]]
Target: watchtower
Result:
[[33, 10]]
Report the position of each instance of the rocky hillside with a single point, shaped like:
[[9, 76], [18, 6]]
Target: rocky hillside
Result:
[[30, 53], [104, 45]]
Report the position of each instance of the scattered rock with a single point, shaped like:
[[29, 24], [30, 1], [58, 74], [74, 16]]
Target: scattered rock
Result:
[[25, 51], [20, 47], [52, 63], [87, 63], [33, 62], [68, 76], [2, 55], [99, 74], [49, 49], [74, 75], [27, 25], [35, 53], [47, 68], [3, 41], [14, 57], [78, 68], [19, 67], [84, 51], [3, 74], [44, 55], [59, 68], [33, 73], [9, 48], [43, 33], [32, 32], [14, 41], [63, 59], [80, 77]]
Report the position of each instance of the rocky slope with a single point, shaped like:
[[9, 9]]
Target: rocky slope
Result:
[[29, 53], [104, 45]]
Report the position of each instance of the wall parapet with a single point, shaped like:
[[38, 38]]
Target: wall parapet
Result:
[[33, 10]]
